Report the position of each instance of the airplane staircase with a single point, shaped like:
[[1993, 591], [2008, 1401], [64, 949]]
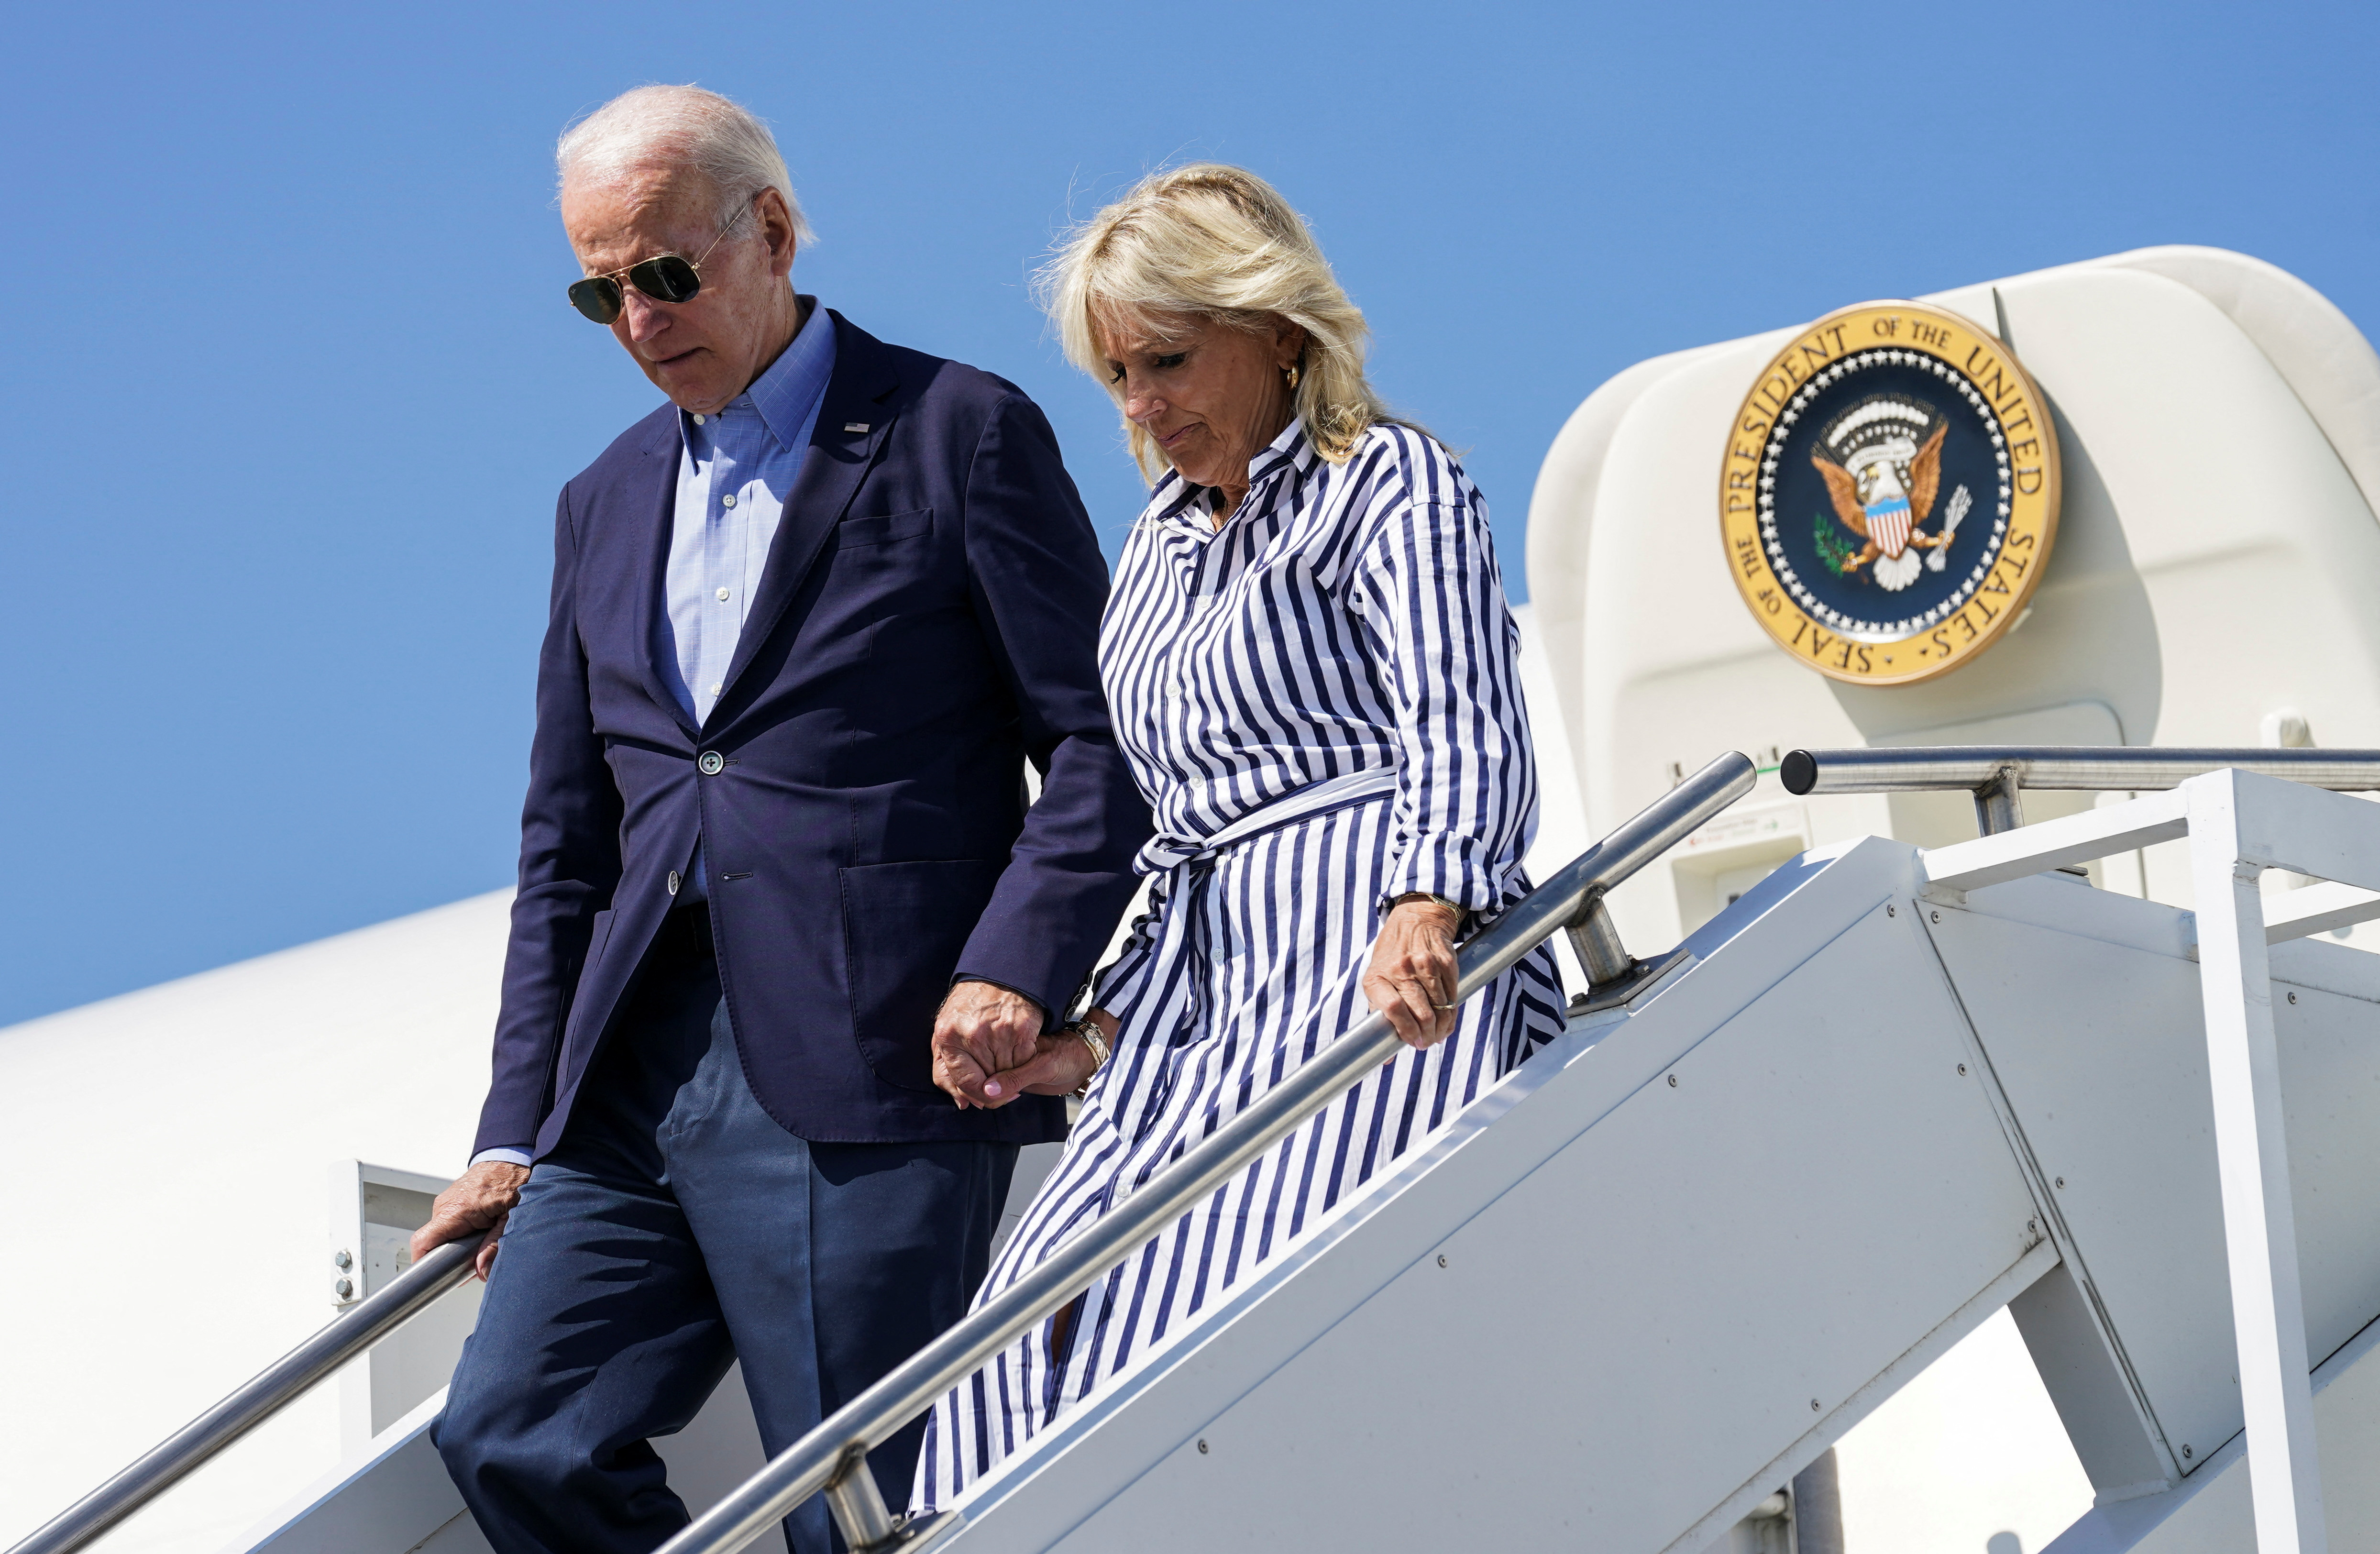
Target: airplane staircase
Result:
[[1761, 1183]]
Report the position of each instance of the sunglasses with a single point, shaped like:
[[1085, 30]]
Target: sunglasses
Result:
[[664, 278]]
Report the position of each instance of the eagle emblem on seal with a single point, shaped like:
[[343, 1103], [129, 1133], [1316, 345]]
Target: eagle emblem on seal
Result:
[[1882, 462]]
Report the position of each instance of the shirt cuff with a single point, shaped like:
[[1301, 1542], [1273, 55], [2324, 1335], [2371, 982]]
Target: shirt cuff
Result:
[[510, 1156], [1457, 867], [1118, 985]]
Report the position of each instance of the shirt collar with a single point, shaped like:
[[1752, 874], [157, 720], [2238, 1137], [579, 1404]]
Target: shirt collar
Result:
[[1288, 450], [1282, 451], [791, 388]]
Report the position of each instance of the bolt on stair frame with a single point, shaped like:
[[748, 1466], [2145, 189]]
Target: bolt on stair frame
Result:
[[347, 1336], [1996, 773], [833, 1459]]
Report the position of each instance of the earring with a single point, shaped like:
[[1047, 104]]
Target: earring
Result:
[[1293, 376]]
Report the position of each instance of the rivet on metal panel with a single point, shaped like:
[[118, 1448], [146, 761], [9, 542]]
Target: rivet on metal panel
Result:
[[1891, 911], [1962, 1071], [2293, 998], [1814, 1406], [1673, 1081], [2185, 1453], [1202, 1446], [2033, 1227], [1938, 917], [1441, 1260], [2061, 1183]]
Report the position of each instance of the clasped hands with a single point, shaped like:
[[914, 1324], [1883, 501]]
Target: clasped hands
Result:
[[989, 1049], [988, 1046]]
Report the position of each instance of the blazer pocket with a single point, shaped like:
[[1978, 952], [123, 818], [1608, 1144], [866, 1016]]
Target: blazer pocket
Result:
[[566, 1053], [904, 926], [852, 533], [599, 937]]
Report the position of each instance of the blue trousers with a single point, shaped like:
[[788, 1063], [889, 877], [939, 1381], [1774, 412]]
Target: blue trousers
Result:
[[675, 1228]]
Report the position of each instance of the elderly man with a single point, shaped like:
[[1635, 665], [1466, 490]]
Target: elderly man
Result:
[[810, 621]]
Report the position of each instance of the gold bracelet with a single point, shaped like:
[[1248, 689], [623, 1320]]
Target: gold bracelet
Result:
[[1096, 1044], [1461, 913]]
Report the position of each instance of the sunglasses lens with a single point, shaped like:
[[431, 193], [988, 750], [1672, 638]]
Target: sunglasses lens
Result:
[[666, 279], [598, 297]]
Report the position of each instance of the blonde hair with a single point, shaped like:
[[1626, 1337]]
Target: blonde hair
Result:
[[1216, 243]]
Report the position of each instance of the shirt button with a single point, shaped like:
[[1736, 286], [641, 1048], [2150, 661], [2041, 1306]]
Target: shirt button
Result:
[[714, 687], [698, 421], [723, 595], [728, 500], [711, 763]]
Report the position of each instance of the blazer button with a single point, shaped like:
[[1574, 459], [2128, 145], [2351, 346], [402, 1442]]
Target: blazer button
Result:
[[710, 763]]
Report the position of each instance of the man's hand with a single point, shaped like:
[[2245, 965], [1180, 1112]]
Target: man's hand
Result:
[[1414, 974], [982, 1030], [480, 1200]]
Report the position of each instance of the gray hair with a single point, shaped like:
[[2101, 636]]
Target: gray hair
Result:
[[681, 126]]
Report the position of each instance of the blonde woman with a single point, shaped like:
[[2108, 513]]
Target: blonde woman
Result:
[[1311, 669]]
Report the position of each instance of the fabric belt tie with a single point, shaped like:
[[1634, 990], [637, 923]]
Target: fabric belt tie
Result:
[[1316, 798]]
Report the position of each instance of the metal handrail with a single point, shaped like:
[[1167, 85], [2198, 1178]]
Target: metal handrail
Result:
[[348, 1335], [832, 1458], [1995, 773]]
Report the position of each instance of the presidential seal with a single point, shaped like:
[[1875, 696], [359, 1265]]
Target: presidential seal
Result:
[[1889, 494]]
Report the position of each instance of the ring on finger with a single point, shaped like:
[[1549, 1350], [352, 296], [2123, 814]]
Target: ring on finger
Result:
[[1423, 986], [1430, 993]]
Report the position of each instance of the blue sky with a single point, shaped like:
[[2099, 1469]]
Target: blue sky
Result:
[[290, 380]]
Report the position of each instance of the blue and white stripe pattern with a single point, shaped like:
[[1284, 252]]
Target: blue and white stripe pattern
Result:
[[1347, 625]]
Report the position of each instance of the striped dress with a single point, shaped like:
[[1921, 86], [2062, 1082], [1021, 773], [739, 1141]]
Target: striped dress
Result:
[[1322, 704]]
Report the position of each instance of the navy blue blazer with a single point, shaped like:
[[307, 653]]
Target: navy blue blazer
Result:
[[927, 622]]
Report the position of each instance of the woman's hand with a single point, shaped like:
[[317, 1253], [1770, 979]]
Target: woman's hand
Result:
[[1058, 1067], [1413, 975]]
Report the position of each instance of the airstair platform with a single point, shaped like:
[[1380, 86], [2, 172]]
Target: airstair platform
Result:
[[1658, 1271], [1671, 1260], [1761, 1183]]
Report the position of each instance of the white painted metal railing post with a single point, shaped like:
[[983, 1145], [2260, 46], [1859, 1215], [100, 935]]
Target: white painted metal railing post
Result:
[[2252, 1154], [2261, 809]]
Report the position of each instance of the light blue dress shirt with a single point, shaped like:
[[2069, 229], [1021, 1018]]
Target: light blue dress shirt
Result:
[[736, 470]]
